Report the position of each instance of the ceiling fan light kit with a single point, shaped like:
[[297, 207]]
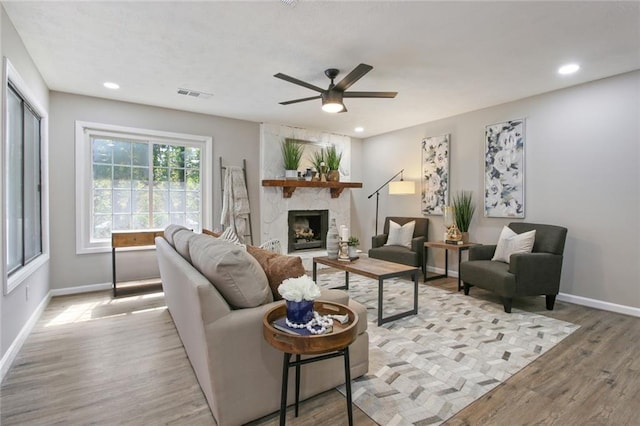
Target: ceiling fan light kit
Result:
[[332, 102], [332, 97]]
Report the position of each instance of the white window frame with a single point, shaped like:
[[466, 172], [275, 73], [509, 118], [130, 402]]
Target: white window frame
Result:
[[84, 176], [10, 74]]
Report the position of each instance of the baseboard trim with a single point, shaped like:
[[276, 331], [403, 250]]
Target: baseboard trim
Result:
[[17, 343], [578, 300], [440, 271], [81, 289], [599, 304]]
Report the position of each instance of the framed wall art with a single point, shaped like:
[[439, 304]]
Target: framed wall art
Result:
[[504, 169], [435, 174]]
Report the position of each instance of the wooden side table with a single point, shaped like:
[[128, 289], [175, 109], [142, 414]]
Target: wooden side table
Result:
[[442, 245], [330, 345], [124, 239]]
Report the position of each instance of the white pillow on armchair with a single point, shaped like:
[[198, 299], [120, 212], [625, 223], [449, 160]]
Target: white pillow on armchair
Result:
[[400, 235], [511, 243]]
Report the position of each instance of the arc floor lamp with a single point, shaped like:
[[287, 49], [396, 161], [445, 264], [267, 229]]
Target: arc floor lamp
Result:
[[399, 187]]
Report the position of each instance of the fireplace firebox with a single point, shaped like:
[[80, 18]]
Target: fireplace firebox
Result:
[[308, 229]]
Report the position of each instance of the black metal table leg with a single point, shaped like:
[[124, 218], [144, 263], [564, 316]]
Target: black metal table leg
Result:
[[297, 382], [283, 392], [346, 280], [347, 378], [446, 263], [459, 260], [380, 295], [315, 270]]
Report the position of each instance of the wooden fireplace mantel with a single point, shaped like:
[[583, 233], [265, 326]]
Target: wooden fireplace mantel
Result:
[[288, 186]]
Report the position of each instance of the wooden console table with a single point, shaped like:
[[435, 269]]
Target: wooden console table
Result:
[[288, 186], [123, 239], [442, 245]]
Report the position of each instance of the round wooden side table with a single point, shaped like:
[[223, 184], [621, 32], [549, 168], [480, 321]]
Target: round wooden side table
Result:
[[326, 346]]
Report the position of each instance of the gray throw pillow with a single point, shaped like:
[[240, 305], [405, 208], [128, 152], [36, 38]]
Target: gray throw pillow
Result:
[[170, 231], [181, 242], [233, 272]]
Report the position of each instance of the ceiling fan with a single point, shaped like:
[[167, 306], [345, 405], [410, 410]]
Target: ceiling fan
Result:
[[332, 97]]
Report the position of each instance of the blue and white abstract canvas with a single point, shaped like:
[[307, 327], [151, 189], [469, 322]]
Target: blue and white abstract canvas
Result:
[[435, 174], [504, 169]]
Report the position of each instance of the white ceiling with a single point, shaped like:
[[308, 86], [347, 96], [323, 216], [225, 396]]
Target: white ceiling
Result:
[[443, 58]]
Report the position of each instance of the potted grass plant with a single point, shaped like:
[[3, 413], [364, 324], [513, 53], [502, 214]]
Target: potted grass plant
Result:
[[332, 158], [291, 155], [464, 208], [317, 161]]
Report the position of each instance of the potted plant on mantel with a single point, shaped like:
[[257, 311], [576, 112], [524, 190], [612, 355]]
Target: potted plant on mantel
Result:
[[463, 211], [332, 158], [317, 161], [291, 156]]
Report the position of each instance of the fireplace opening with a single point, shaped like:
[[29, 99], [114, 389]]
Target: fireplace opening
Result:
[[308, 229]]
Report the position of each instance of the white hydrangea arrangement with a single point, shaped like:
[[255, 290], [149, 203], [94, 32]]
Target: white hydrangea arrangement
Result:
[[299, 289]]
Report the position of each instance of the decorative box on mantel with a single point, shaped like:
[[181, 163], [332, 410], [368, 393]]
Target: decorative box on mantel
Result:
[[288, 186]]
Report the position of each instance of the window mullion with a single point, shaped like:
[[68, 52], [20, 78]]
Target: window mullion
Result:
[[150, 183]]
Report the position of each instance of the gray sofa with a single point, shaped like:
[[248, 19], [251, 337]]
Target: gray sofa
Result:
[[238, 371]]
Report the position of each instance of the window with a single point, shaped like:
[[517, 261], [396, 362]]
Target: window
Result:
[[24, 237], [138, 179], [24, 161]]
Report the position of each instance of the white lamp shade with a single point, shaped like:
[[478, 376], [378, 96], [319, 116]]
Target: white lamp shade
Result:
[[400, 187]]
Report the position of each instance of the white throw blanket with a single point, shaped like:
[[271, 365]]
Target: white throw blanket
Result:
[[235, 202]]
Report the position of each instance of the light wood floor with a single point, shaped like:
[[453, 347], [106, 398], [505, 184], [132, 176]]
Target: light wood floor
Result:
[[94, 360]]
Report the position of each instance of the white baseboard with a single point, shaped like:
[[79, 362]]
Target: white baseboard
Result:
[[80, 289], [578, 300], [599, 304], [17, 343], [440, 271]]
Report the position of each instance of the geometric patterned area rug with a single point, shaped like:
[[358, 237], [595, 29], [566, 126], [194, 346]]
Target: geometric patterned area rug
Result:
[[425, 368]]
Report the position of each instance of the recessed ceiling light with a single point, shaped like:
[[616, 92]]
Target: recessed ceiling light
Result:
[[359, 129], [568, 69], [111, 85]]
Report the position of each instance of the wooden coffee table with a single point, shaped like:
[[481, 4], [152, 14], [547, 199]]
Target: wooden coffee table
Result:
[[326, 346], [378, 270]]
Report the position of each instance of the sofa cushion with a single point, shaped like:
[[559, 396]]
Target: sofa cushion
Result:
[[235, 274], [181, 242], [170, 231], [277, 267]]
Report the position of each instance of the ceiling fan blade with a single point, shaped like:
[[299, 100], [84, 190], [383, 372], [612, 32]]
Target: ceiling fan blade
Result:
[[369, 94], [300, 100], [355, 75], [298, 82]]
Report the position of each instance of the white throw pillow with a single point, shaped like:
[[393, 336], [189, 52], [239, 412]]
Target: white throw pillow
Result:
[[400, 235], [511, 243]]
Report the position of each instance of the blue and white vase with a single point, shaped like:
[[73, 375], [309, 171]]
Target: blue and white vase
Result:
[[300, 312]]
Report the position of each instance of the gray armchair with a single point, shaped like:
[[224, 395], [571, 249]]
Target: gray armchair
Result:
[[407, 256], [527, 274]]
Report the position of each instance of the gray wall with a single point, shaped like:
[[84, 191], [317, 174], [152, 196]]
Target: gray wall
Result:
[[582, 156], [234, 140], [15, 309]]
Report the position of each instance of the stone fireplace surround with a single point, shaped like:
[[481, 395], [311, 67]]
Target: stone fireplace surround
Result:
[[274, 209]]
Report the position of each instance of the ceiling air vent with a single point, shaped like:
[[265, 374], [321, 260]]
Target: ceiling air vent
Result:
[[194, 93]]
